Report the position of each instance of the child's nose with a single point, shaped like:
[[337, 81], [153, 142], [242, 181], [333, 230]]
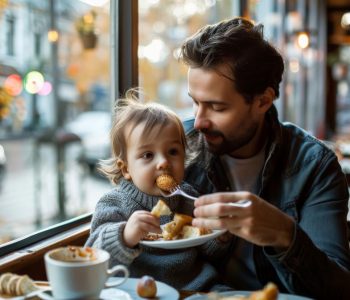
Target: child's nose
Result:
[[163, 163]]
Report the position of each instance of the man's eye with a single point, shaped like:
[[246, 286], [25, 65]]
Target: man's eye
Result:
[[147, 155], [218, 107]]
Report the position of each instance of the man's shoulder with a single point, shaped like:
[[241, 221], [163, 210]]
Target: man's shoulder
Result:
[[188, 125], [301, 145], [296, 134]]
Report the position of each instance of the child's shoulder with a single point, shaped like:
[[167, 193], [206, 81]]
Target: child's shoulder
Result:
[[112, 195]]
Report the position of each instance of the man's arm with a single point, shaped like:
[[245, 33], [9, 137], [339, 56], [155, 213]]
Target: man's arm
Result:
[[318, 261]]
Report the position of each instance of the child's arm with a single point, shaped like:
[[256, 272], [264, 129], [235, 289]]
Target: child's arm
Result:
[[138, 226], [107, 229]]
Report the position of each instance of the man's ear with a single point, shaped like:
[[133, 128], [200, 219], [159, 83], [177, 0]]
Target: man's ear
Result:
[[265, 100], [123, 167]]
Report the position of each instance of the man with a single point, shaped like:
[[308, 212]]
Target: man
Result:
[[294, 233]]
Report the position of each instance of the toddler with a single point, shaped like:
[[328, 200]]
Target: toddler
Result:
[[148, 140]]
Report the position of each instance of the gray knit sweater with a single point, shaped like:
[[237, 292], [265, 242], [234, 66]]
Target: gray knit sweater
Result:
[[186, 269]]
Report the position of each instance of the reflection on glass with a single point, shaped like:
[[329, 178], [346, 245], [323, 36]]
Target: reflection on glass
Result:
[[54, 110], [163, 26]]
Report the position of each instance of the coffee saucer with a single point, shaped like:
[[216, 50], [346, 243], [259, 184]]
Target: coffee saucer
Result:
[[106, 294]]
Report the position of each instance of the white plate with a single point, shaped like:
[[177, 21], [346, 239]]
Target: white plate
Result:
[[183, 243], [246, 293], [106, 294], [127, 291]]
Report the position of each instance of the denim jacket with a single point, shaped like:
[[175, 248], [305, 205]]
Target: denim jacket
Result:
[[303, 178]]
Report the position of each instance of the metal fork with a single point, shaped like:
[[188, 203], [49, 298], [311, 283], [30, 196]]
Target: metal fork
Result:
[[176, 190]]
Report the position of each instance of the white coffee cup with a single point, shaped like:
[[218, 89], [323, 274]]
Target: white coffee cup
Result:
[[81, 278]]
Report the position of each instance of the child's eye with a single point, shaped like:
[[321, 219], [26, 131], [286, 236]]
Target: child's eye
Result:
[[147, 155], [174, 151]]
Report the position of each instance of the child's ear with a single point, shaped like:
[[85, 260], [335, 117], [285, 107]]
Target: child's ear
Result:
[[123, 167]]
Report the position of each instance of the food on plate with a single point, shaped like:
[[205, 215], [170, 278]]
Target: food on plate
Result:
[[161, 209], [10, 288], [172, 229], [16, 285], [269, 292], [4, 279], [166, 182], [25, 285], [146, 287], [191, 231], [179, 228], [151, 236]]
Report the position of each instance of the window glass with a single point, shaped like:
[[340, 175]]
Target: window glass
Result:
[[297, 29], [54, 110], [163, 26]]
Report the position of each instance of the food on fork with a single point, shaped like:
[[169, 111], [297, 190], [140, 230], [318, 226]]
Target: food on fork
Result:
[[161, 209], [166, 182], [146, 287], [16, 285]]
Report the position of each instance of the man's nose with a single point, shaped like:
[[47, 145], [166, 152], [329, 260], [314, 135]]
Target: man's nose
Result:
[[201, 120]]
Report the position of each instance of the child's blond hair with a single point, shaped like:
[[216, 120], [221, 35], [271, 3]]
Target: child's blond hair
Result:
[[130, 112]]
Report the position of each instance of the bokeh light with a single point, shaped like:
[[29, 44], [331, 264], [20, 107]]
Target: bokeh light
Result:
[[46, 89], [52, 36], [303, 40], [13, 84], [33, 82]]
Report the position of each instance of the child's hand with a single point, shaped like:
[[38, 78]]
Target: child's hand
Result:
[[138, 226]]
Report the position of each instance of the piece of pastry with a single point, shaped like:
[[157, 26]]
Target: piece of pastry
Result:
[[166, 182], [191, 232], [172, 229], [4, 279], [25, 285], [161, 209], [10, 288], [269, 292], [16, 285]]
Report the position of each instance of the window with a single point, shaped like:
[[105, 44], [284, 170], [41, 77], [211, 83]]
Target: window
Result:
[[55, 111]]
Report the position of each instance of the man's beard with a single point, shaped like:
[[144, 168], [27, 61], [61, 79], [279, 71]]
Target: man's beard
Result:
[[230, 144]]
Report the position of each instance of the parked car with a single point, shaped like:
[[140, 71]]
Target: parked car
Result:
[[93, 129]]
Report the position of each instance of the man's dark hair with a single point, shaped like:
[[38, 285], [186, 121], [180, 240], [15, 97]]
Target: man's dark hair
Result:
[[238, 43]]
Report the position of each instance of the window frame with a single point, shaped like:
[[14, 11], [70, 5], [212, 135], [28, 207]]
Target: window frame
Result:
[[124, 75]]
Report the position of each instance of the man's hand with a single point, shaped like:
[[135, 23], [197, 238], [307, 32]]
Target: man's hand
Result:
[[260, 223], [138, 226]]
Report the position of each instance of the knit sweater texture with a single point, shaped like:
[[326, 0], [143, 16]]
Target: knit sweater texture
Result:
[[184, 269]]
